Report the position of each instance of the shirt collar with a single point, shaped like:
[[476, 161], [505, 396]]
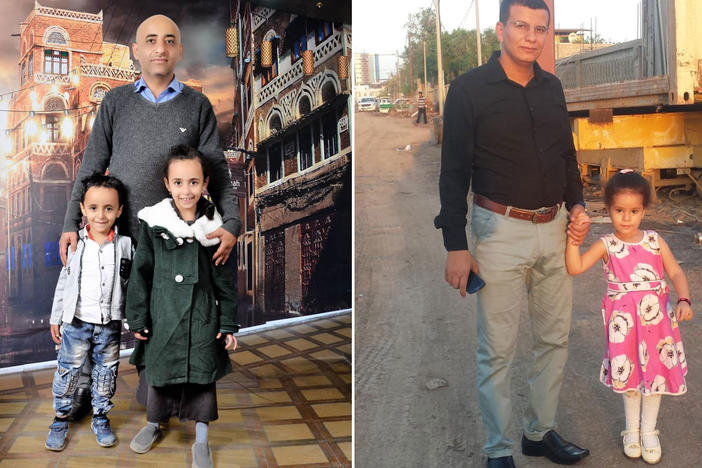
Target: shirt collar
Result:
[[496, 73], [174, 85], [110, 235]]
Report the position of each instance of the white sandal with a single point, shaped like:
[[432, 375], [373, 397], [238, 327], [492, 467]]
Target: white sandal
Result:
[[651, 455], [631, 449]]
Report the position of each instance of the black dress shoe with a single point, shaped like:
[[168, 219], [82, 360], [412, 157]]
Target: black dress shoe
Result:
[[555, 448], [501, 462], [81, 404]]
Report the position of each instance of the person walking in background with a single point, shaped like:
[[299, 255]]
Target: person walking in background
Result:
[[421, 107]]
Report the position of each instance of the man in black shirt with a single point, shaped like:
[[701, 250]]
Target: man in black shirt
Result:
[[506, 128]]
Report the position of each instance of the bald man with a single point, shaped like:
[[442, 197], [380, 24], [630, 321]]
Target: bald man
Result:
[[135, 127]]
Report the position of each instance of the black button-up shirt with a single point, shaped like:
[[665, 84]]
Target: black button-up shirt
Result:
[[513, 141]]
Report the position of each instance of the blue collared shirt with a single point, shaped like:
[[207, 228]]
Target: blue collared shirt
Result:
[[174, 88]]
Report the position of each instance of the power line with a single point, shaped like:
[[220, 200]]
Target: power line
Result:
[[465, 17], [47, 111]]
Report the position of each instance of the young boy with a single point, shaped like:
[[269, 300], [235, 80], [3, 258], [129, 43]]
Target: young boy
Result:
[[89, 300]]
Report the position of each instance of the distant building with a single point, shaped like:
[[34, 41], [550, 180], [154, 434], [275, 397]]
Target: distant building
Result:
[[361, 70], [366, 69], [572, 41], [65, 71]]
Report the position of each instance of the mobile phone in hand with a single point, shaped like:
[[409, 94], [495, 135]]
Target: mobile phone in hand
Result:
[[475, 283]]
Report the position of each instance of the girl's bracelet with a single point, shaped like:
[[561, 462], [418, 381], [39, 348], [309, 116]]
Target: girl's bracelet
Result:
[[684, 299]]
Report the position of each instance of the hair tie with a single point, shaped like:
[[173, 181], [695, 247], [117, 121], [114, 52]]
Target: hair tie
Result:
[[626, 171]]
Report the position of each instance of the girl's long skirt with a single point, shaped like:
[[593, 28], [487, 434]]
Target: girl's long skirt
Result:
[[187, 402]]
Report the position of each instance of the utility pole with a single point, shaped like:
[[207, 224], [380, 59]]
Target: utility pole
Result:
[[438, 61], [409, 58], [399, 80], [477, 34], [425, 66]]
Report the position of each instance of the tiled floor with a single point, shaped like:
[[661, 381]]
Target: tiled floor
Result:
[[287, 404]]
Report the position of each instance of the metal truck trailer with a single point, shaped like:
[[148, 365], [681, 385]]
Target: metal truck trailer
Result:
[[638, 104]]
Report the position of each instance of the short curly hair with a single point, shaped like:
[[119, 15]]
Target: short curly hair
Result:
[[98, 179]]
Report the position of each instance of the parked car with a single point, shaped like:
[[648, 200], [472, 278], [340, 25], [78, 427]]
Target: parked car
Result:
[[402, 104], [384, 104], [368, 104]]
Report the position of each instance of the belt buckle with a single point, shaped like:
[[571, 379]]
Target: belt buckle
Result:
[[540, 211]]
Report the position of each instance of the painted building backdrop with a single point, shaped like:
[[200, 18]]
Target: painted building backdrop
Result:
[[57, 61]]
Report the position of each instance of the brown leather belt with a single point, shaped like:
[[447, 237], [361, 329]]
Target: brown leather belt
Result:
[[542, 215]]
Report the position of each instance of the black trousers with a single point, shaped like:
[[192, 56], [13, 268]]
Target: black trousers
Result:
[[422, 112]]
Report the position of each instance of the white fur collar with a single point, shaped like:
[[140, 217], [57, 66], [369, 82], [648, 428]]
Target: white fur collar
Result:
[[164, 215]]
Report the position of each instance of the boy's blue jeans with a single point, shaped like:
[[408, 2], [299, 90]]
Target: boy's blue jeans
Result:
[[80, 341]]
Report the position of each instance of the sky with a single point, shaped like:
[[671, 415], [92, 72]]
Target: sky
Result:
[[616, 20], [202, 24]]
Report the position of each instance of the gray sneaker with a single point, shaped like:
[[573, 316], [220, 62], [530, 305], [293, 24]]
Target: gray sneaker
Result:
[[145, 438], [202, 456]]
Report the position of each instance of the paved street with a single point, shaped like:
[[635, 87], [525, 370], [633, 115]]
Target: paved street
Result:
[[411, 329]]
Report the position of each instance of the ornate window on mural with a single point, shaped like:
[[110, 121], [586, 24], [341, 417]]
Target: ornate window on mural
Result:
[[269, 73], [306, 148], [54, 104], [304, 107], [52, 128], [99, 93], [30, 66], [56, 38], [330, 135], [324, 31], [328, 91], [23, 77], [298, 47], [275, 125], [56, 62], [275, 162], [55, 171]]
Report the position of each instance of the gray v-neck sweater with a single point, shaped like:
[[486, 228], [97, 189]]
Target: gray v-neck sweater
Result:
[[131, 138]]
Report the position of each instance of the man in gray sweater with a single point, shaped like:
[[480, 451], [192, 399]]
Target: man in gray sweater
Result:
[[135, 127], [138, 123]]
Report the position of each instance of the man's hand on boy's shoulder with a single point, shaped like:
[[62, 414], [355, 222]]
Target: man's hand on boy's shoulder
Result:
[[67, 239]]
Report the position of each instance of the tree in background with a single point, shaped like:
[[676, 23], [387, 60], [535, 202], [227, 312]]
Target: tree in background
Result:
[[459, 52]]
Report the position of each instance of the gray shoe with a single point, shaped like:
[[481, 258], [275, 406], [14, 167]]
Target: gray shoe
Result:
[[145, 438], [202, 456]]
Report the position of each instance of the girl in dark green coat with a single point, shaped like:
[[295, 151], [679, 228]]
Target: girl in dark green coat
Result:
[[180, 305]]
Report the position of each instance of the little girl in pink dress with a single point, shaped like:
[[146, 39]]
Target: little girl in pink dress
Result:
[[644, 358]]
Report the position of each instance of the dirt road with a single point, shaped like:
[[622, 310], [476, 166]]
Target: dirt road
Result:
[[415, 338]]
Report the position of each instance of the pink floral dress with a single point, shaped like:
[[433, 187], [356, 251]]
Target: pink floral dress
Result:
[[644, 351]]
